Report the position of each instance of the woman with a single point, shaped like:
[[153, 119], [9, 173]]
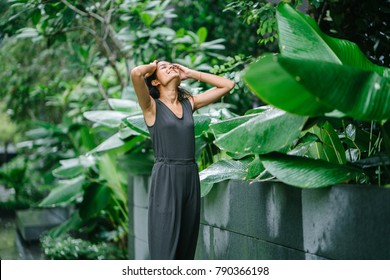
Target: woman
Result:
[[174, 199]]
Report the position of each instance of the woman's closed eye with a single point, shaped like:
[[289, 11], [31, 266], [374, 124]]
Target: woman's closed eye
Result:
[[163, 66]]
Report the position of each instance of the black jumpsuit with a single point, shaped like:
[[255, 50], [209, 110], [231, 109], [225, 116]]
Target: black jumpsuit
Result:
[[174, 199]]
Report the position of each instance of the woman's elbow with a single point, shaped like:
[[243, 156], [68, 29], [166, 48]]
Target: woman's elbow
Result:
[[135, 72]]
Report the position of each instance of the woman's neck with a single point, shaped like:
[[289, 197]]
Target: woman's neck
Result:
[[169, 95]]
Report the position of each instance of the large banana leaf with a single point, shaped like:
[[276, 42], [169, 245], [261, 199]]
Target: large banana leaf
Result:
[[329, 146], [275, 85], [358, 93], [96, 198], [71, 168], [305, 172], [65, 193], [288, 83], [221, 171], [225, 126], [137, 123], [68, 171], [316, 73], [301, 38], [114, 177], [201, 123], [110, 143], [73, 223], [107, 118], [123, 105], [261, 133]]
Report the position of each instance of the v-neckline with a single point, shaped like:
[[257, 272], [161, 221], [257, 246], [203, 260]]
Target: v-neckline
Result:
[[182, 109]]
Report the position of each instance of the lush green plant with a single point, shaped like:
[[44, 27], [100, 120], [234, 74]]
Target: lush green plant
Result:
[[21, 175], [219, 24], [83, 147], [305, 79], [261, 14], [345, 74], [69, 248]]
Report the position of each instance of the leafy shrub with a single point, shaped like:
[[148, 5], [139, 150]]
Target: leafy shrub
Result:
[[67, 247]]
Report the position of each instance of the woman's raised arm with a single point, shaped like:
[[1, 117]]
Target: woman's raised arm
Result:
[[138, 75], [221, 86]]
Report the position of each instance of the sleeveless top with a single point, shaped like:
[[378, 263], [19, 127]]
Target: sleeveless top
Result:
[[173, 137]]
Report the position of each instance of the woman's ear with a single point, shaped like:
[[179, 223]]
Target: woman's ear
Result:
[[155, 82]]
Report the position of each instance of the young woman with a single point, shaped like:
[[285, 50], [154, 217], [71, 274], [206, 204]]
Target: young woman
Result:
[[174, 199]]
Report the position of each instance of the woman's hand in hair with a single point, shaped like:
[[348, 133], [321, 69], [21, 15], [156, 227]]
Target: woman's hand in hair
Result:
[[151, 69], [185, 73]]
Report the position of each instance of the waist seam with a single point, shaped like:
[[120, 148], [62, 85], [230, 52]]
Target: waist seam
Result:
[[175, 161]]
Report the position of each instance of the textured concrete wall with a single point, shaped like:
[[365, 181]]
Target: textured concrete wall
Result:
[[347, 222], [271, 220], [138, 189], [257, 221]]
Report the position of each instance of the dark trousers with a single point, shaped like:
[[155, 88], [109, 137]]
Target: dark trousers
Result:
[[174, 211]]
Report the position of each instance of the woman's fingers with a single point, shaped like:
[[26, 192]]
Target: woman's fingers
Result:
[[180, 67]]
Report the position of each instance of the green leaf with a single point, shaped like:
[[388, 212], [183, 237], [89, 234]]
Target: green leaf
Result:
[[107, 118], [262, 133], [96, 198], [330, 147], [73, 223], [305, 172], [293, 85], [316, 73], [257, 110], [304, 143], [274, 85], [221, 171], [71, 168], [87, 140], [202, 34], [255, 168], [201, 123], [301, 38], [137, 123], [65, 193], [147, 18], [68, 172], [115, 179], [358, 93], [225, 126], [110, 143], [27, 32], [126, 132], [124, 105], [165, 31]]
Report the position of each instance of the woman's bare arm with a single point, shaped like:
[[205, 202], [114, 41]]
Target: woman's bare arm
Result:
[[221, 86], [138, 75], [148, 106]]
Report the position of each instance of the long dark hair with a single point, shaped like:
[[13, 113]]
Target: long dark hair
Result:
[[153, 91]]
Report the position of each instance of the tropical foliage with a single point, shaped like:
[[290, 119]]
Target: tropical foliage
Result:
[[69, 105], [314, 76], [71, 60]]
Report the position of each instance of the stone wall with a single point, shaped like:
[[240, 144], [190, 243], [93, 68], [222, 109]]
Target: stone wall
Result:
[[272, 220]]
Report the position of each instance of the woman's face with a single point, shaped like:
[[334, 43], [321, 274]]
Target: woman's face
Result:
[[166, 72]]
